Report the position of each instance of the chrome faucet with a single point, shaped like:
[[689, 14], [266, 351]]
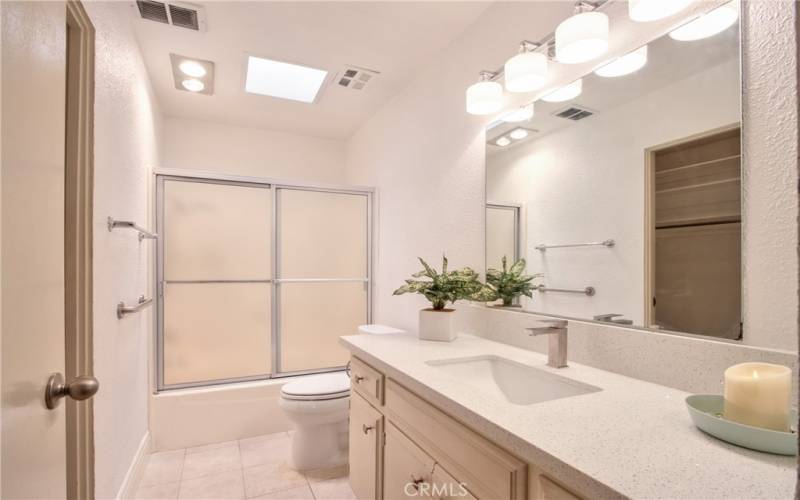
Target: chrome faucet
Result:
[[613, 318], [557, 343]]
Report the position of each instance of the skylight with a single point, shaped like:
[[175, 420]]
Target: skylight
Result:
[[283, 80]]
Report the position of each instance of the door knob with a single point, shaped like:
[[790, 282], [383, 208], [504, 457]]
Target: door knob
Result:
[[79, 389]]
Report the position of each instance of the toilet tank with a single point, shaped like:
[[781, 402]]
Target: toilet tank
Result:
[[378, 330]]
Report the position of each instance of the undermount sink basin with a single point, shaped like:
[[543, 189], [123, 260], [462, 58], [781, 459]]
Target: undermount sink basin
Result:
[[514, 382]]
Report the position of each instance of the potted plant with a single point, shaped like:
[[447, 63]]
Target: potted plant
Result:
[[508, 284], [435, 322]]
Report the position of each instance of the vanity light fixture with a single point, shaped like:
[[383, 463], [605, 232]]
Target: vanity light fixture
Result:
[[709, 24], [625, 65], [518, 133], [193, 85], [566, 92], [582, 37], [653, 10], [486, 96], [503, 141], [192, 68], [522, 114], [526, 71]]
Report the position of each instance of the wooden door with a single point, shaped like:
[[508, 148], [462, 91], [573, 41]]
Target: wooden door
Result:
[[693, 256], [366, 439], [46, 250]]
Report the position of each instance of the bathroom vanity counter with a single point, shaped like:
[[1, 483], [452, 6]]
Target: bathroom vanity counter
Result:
[[631, 439]]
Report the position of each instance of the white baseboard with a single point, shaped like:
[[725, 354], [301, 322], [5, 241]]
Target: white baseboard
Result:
[[134, 475]]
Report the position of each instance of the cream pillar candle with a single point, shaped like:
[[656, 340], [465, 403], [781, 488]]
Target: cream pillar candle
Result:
[[758, 394]]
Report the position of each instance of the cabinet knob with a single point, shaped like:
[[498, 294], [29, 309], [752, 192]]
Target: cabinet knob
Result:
[[416, 481], [358, 378], [366, 428]]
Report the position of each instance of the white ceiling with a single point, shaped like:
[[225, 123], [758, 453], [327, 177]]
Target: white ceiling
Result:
[[395, 38]]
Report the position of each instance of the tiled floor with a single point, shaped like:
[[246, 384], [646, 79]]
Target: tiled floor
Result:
[[254, 468]]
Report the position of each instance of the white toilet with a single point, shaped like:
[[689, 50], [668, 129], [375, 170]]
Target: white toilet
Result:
[[318, 407]]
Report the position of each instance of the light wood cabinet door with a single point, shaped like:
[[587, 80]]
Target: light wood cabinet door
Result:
[[550, 490], [407, 469], [366, 440], [446, 487]]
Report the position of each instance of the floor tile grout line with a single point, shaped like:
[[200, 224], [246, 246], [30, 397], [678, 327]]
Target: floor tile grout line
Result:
[[313, 495], [241, 463], [180, 475]]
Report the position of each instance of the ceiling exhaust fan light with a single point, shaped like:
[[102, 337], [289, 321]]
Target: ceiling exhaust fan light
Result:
[[525, 72], [192, 68], [522, 114], [502, 142], [193, 85], [707, 25], [566, 92], [519, 133], [484, 98], [582, 37], [652, 10], [625, 65]]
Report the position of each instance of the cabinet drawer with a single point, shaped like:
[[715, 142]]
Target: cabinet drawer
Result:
[[487, 471], [407, 469], [367, 381], [365, 440], [549, 490]]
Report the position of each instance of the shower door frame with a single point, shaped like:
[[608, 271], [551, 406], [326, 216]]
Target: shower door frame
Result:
[[274, 185]]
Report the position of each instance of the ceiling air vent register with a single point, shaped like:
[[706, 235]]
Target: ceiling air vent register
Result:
[[574, 113], [353, 77], [180, 14]]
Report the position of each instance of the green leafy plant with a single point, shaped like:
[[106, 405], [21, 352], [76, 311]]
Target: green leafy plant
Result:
[[508, 284], [446, 286]]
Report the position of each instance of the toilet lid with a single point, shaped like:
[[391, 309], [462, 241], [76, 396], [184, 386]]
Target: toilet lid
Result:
[[317, 387]]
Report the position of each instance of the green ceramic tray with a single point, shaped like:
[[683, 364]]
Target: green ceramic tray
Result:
[[706, 412]]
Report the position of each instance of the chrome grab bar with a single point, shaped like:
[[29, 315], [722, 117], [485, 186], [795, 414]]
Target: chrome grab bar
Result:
[[122, 309], [589, 290], [607, 243], [143, 233]]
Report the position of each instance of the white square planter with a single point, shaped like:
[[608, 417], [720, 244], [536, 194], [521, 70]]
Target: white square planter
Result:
[[437, 325]]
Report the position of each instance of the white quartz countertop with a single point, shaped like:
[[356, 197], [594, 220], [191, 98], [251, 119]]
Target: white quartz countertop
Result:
[[632, 439]]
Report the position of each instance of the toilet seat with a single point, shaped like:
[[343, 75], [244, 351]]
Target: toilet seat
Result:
[[318, 388]]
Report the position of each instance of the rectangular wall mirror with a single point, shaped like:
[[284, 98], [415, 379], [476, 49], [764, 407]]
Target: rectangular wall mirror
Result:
[[624, 191]]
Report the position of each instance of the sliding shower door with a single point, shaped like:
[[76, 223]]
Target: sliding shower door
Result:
[[217, 281], [257, 280], [322, 275]]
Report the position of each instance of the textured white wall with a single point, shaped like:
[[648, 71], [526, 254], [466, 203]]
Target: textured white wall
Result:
[[586, 183], [425, 156], [769, 151], [199, 145], [127, 122]]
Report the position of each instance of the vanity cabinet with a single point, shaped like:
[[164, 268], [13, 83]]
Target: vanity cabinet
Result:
[[366, 448], [550, 490], [407, 470], [367, 381], [403, 447]]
